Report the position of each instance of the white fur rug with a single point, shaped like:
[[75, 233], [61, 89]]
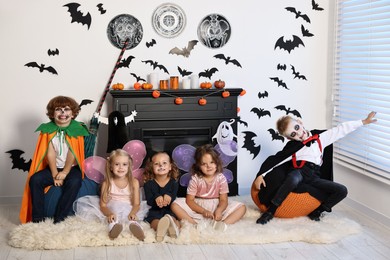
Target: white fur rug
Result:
[[74, 232]]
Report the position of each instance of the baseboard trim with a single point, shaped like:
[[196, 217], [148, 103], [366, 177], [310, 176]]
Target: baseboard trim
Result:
[[376, 216]]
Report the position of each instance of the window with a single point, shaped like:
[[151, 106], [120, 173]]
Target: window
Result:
[[362, 84]]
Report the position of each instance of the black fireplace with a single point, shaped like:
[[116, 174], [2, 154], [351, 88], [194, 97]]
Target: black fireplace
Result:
[[162, 125]]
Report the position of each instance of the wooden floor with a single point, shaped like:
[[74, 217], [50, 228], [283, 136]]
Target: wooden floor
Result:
[[372, 243]]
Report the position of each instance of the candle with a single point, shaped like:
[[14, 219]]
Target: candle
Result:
[[186, 83], [194, 81], [153, 79]]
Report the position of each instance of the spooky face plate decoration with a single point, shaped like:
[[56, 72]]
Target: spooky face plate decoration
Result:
[[214, 31], [122, 27], [168, 20]]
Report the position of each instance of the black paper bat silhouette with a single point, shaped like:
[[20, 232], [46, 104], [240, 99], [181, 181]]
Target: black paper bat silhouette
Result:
[[305, 32], [263, 95], [138, 78], [155, 65], [125, 62], [288, 110], [289, 45], [249, 144], [183, 72], [315, 6], [297, 74], [281, 67], [260, 112], [41, 67], [275, 135], [101, 9], [53, 52], [227, 59], [151, 43], [280, 82], [298, 14], [186, 51], [85, 102], [241, 121], [17, 161], [78, 16], [208, 73]]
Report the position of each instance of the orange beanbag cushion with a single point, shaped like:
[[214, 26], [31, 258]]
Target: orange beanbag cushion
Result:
[[295, 205]]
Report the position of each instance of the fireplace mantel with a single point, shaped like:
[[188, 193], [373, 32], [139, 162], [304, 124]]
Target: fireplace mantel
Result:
[[162, 125]]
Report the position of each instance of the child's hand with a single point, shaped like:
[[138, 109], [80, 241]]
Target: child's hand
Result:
[[208, 214], [61, 176], [370, 118], [111, 218], [259, 180], [167, 200], [218, 215], [58, 183], [132, 216], [160, 201]]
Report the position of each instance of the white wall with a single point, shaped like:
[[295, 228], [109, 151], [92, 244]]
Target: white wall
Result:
[[86, 60]]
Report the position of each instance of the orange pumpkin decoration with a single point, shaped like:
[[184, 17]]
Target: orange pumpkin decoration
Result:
[[225, 94], [202, 101], [178, 101], [219, 84], [243, 92], [118, 86], [156, 94], [206, 85], [137, 86], [147, 85]]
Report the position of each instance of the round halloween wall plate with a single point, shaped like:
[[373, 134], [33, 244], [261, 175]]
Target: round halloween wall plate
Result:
[[124, 26], [168, 20], [214, 31]]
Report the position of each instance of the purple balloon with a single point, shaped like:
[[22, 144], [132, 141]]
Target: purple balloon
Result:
[[185, 179], [137, 151], [183, 155], [228, 174], [95, 167]]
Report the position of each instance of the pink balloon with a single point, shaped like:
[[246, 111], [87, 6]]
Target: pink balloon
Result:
[[138, 174], [94, 168], [137, 150], [183, 155]]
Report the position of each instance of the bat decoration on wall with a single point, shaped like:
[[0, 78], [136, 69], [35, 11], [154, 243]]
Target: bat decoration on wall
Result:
[[280, 82], [305, 32], [297, 74], [288, 45], [288, 110], [249, 144], [275, 135], [227, 60], [260, 112], [151, 43], [41, 67], [281, 67], [85, 102], [241, 121], [155, 65], [208, 73], [101, 9], [78, 16], [137, 78], [17, 161], [315, 6], [186, 51], [53, 52], [125, 62], [263, 95], [298, 14], [183, 72]]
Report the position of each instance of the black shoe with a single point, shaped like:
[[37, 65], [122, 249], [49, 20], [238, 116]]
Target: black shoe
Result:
[[315, 215], [265, 217], [58, 220]]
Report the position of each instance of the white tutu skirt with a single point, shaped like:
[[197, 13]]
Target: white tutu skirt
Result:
[[208, 204], [88, 208]]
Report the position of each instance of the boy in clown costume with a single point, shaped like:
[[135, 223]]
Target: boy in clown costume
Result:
[[57, 160]]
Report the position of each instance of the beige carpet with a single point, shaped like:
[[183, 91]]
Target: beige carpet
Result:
[[74, 232]]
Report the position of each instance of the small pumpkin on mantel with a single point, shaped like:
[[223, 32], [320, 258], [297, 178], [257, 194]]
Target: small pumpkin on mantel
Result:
[[118, 86], [206, 85], [219, 84]]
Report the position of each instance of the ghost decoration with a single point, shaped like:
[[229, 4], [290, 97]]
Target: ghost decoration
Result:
[[224, 136]]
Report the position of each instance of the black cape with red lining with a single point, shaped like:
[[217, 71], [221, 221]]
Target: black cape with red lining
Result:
[[276, 176]]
